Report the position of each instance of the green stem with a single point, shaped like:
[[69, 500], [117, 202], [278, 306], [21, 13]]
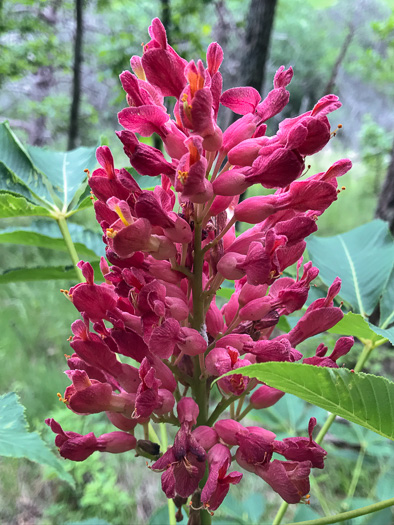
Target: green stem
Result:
[[170, 503], [320, 497], [324, 429], [281, 512], [221, 406], [199, 386], [244, 413], [368, 347], [356, 473], [343, 516], [62, 223]]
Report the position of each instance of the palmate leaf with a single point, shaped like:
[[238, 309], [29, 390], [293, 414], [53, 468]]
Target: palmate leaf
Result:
[[13, 206], [10, 183], [17, 159], [364, 399], [17, 442], [65, 170], [363, 258], [53, 178], [46, 234], [45, 273], [387, 304]]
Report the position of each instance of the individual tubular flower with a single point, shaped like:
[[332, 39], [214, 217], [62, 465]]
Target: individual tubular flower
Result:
[[183, 463], [87, 396], [162, 66], [190, 176], [310, 131], [342, 347], [302, 449], [78, 447], [321, 315], [290, 479], [218, 482]]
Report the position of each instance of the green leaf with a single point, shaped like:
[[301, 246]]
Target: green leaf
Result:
[[17, 442], [65, 170], [10, 183], [18, 160], [46, 234], [45, 273], [356, 325], [387, 333], [54, 178], [363, 259], [13, 206], [364, 399], [283, 324], [145, 182], [387, 304]]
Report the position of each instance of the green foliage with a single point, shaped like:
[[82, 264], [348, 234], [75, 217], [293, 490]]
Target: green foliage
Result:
[[39, 182], [43, 273], [52, 179], [17, 442], [361, 398], [356, 256], [358, 326], [14, 206], [46, 234]]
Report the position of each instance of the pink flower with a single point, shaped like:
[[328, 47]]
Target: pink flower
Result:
[[218, 482], [78, 448]]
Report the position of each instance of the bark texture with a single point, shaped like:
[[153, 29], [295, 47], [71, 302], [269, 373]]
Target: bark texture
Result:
[[73, 130], [257, 41]]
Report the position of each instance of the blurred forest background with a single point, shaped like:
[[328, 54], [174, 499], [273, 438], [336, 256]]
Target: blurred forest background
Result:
[[59, 88]]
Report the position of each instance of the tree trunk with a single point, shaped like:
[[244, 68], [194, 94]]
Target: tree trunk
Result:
[[257, 40], [385, 208], [73, 130], [341, 56], [256, 45]]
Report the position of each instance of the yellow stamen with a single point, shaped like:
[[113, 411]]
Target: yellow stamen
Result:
[[111, 233], [182, 176]]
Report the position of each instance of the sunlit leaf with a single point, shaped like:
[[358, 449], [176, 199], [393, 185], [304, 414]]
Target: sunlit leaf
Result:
[[13, 206], [364, 399], [357, 326]]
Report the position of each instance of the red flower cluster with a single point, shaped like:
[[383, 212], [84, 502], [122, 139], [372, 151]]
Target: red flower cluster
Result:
[[169, 252]]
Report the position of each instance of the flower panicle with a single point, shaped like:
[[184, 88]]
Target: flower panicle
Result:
[[152, 329]]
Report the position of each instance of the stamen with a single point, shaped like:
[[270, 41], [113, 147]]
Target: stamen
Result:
[[62, 399], [334, 133], [111, 233], [182, 176]]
